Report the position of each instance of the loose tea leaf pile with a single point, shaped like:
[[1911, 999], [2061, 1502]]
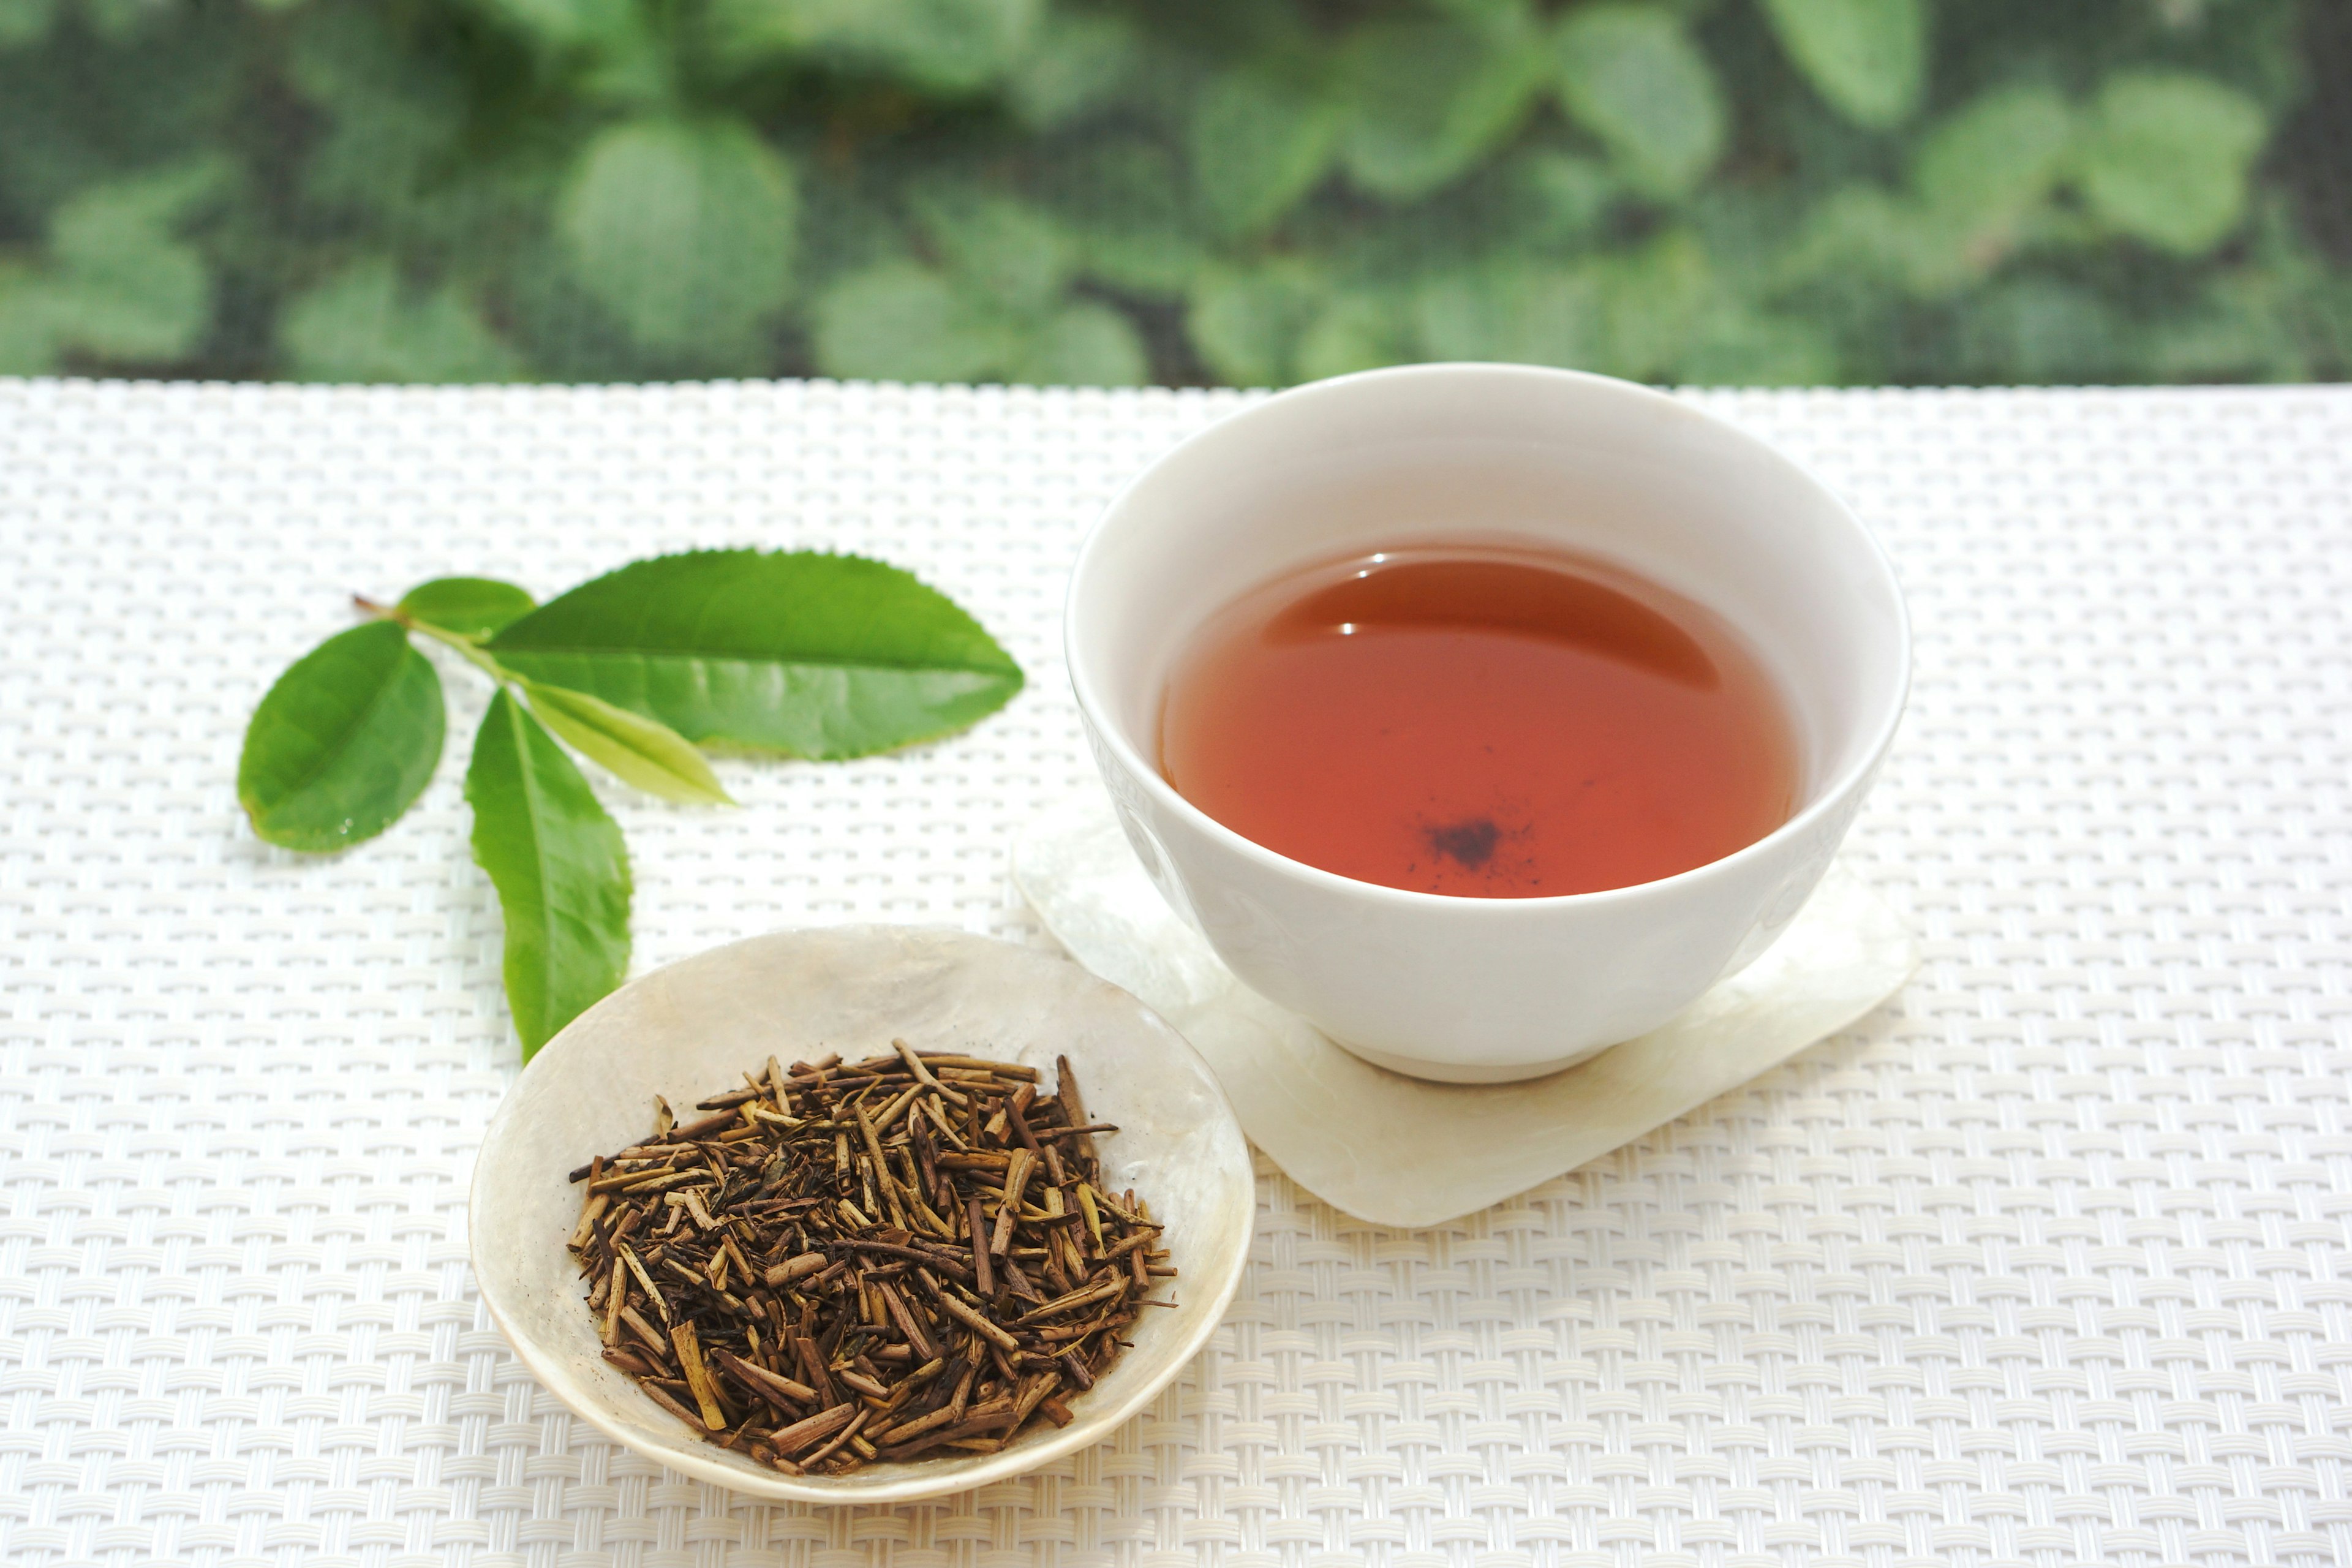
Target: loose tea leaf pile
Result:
[[913, 1255]]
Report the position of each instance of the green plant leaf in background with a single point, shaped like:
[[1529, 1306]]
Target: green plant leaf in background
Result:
[[1005, 249], [560, 867], [465, 606], [1246, 325], [646, 190], [1352, 332], [632, 748], [1258, 142], [362, 325], [1079, 62], [1084, 344], [122, 285], [1514, 311], [948, 45], [684, 229], [1124, 204], [902, 321], [567, 23], [2166, 156], [1429, 98], [1564, 195], [24, 22], [1867, 58], [1629, 74], [1982, 168], [817, 656], [344, 742]]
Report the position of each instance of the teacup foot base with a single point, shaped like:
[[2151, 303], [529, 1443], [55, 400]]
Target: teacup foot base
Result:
[[1446, 1072]]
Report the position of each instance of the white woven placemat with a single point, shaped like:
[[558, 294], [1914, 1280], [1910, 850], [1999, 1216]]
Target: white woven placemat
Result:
[[2047, 1264]]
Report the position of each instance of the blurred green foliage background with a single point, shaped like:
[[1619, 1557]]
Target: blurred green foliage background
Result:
[[1110, 192]]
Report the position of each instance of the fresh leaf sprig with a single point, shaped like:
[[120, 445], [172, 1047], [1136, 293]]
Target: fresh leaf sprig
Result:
[[796, 653]]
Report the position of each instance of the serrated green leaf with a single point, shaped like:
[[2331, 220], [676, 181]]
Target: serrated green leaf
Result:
[[1630, 76], [467, 606], [1258, 142], [684, 230], [2166, 156], [1867, 58], [1429, 98], [560, 867], [1084, 344], [362, 325], [344, 742], [899, 322], [817, 656], [632, 748]]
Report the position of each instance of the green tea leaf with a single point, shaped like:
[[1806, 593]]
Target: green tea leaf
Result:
[[1867, 58], [344, 742], [900, 321], [467, 607], [361, 325], [2166, 158], [560, 867], [1632, 77], [818, 656], [633, 749], [684, 230], [1428, 99], [1258, 144]]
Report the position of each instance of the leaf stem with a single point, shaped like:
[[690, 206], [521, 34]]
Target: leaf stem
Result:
[[458, 640]]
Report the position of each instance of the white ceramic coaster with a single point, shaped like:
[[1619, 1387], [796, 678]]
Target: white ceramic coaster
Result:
[[1401, 1151]]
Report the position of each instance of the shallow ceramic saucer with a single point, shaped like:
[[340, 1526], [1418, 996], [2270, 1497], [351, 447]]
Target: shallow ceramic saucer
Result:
[[691, 1029]]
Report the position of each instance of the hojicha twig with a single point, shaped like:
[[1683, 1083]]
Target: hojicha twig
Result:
[[907, 1256]]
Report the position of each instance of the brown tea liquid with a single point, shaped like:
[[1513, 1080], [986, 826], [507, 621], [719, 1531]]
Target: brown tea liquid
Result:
[[1489, 723]]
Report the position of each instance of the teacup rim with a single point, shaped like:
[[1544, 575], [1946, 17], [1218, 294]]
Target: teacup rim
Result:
[[1827, 800]]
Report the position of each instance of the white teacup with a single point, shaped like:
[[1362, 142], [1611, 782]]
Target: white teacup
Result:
[[1466, 989]]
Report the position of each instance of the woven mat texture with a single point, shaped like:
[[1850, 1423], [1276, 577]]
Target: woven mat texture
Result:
[[2047, 1263]]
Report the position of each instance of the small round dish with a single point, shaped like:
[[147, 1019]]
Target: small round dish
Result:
[[693, 1029]]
